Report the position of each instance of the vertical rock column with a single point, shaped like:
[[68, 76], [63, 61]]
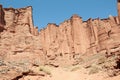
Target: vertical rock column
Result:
[[36, 31], [10, 18], [29, 10], [80, 40], [76, 24], [118, 6], [93, 24], [2, 21]]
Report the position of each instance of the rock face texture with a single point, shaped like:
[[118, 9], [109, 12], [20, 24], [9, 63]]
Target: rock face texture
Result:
[[75, 37], [56, 45], [17, 19], [2, 21], [118, 5]]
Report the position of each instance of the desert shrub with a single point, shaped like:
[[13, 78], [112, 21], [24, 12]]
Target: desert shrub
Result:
[[75, 68], [94, 70], [2, 62], [87, 66], [45, 69], [4, 71], [101, 60]]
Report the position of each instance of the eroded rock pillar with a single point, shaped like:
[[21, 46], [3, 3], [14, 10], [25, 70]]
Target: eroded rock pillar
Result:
[[2, 21], [118, 6]]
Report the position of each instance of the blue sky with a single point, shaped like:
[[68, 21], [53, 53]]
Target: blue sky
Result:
[[56, 11]]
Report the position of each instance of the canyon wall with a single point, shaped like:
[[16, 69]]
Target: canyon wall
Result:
[[56, 45], [74, 38]]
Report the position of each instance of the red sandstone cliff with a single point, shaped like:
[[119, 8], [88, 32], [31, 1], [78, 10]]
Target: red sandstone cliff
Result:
[[75, 37], [22, 47], [56, 44]]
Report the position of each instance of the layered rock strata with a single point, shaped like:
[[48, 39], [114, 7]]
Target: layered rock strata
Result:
[[57, 45]]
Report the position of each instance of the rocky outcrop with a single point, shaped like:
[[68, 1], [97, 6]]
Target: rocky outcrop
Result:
[[17, 19], [62, 44], [75, 37], [118, 5], [94, 44]]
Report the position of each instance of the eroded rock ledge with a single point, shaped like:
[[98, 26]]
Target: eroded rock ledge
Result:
[[62, 44]]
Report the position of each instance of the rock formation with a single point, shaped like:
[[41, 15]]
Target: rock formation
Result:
[[57, 45], [72, 42], [16, 19], [118, 5], [2, 21]]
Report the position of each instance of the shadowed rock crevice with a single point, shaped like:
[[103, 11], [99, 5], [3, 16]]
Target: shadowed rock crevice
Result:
[[118, 64]]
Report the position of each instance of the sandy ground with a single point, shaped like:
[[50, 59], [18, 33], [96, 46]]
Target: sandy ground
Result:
[[67, 74]]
